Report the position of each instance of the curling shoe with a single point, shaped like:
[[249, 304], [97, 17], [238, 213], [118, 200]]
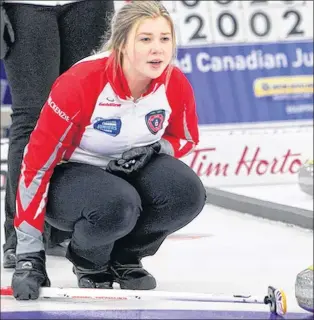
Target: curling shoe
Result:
[[100, 278], [9, 259], [132, 276]]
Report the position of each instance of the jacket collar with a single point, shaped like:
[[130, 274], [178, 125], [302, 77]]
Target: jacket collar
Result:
[[120, 85]]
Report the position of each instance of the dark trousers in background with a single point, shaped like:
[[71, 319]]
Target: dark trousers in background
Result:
[[49, 40], [111, 218]]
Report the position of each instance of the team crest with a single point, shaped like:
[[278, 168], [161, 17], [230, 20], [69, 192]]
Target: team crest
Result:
[[155, 120]]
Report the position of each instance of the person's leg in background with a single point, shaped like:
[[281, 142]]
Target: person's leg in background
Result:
[[31, 66], [69, 34], [107, 210], [82, 26], [172, 196]]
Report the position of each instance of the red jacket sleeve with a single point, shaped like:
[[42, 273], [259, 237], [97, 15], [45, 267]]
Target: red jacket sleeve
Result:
[[182, 132], [51, 138]]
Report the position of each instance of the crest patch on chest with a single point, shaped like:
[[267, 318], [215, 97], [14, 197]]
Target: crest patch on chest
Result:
[[155, 120]]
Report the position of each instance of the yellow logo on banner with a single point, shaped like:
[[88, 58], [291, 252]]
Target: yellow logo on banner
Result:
[[285, 85]]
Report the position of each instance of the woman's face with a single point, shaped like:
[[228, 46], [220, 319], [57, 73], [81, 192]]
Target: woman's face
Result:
[[149, 48]]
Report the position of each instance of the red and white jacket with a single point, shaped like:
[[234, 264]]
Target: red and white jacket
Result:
[[90, 117]]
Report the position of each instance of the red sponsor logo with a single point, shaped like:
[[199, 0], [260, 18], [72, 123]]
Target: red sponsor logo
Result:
[[251, 161], [109, 104]]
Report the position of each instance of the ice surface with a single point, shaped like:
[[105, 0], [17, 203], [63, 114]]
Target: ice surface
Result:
[[236, 254]]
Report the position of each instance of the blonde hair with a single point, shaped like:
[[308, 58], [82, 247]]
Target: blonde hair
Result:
[[131, 14]]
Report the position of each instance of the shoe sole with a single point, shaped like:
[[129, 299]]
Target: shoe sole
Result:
[[9, 265], [145, 283], [86, 284], [9, 261]]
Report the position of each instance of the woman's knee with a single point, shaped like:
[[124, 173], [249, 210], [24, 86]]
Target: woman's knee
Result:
[[117, 213], [185, 189], [189, 193]]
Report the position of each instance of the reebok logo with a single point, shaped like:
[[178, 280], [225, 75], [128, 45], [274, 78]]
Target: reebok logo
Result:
[[57, 110], [27, 265]]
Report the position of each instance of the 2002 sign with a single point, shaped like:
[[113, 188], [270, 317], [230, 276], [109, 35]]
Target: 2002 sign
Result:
[[204, 22]]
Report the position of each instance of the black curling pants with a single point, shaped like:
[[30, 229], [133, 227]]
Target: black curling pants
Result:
[[49, 40], [114, 219]]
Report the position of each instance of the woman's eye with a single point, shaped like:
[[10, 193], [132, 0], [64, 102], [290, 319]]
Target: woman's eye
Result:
[[145, 39], [165, 39]]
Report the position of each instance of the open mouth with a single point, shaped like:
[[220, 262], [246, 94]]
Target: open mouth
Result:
[[155, 62]]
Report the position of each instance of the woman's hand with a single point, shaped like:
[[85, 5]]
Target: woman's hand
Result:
[[29, 275], [134, 159]]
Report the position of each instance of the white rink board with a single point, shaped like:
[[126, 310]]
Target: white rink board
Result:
[[235, 156]]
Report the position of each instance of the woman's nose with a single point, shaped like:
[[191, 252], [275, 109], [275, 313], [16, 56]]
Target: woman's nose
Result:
[[157, 47]]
